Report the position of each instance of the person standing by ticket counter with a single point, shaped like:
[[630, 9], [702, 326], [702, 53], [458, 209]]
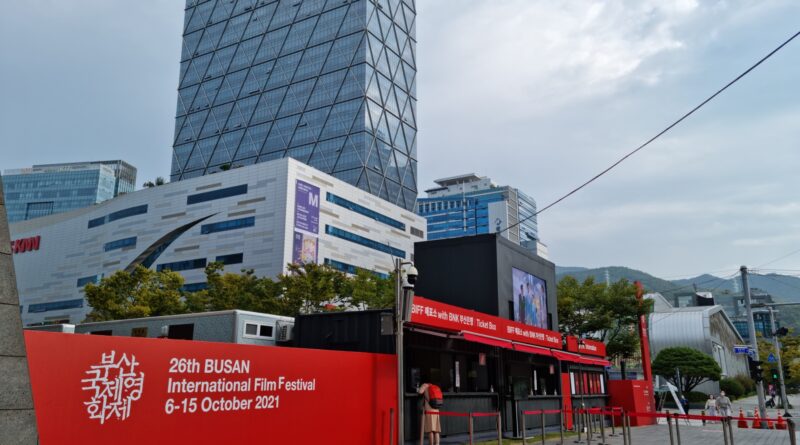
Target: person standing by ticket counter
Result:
[[432, 401]]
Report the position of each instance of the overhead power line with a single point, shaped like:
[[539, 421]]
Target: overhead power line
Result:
[[662, 132]]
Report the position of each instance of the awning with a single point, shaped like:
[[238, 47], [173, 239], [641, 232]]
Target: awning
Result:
[[575, 358], [487, 340], [532, 349]]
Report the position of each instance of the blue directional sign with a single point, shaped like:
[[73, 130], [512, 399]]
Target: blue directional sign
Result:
[[741, 349], [772, 358]]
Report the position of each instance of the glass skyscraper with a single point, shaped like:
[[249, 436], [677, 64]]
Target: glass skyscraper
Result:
[[330, 83], [44, 190], [467, 205]]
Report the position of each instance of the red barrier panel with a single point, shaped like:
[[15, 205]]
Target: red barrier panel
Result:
[[98, 390]]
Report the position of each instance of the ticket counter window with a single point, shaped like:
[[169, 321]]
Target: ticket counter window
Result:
[[453, 372]]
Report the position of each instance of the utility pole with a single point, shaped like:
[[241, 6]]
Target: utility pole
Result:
[[777, 347], [751, 328]]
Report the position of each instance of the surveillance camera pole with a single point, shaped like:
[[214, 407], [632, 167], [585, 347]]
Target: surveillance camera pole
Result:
[[399, 292], [751, 328]]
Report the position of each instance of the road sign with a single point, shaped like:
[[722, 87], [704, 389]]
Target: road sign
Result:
[[741, 349], [772, 358]]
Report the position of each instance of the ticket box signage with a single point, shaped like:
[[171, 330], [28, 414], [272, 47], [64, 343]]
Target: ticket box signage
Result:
[[586, 346], [125, 390], [444, 316]]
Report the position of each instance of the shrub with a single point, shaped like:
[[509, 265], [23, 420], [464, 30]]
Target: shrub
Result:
[[746, 382], [732, 388], [697, 397]]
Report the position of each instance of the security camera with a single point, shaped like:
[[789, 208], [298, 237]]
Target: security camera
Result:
[[411, 277]]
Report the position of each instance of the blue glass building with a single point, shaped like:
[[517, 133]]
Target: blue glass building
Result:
[[44, 190], [468, 205], [330, 83]]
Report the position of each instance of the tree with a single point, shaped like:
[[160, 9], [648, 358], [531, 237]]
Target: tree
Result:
[[693, 366], [368, 290], [141, 293], [608, 313], [790, 357], [243, 291], [308, 288], [159, 181]]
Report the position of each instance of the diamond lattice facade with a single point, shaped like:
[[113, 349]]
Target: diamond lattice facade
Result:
[[330, 83]]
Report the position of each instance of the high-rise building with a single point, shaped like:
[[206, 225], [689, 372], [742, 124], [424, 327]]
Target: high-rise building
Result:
[[330, 83], [47, 189], [468, 204]]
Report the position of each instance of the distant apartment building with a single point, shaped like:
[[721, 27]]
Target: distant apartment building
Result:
[[48, 189], [467, 205]]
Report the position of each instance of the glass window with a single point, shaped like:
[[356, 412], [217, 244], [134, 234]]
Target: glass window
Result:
[[97, 222], [176, 266], [194, 287], [236, 258], [223, 226], [120, 243], [349, 268], [366, 242], [55, 306], [250, 329], [364, 211], [86, 280], [217, 194], [125, 213]]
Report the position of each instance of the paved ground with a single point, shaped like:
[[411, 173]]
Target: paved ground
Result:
[[693, 432]]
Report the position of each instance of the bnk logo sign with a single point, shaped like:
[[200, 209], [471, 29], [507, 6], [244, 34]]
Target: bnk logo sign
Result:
[[113, 386]]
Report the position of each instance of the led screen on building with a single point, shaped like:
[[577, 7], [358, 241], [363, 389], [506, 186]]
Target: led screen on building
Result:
[[530, 298]]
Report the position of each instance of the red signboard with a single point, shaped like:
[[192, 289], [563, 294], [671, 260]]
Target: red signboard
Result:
[[23, 245], [121, 390], [586, 346], [444, 316]]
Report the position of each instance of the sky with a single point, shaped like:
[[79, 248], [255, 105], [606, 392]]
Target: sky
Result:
[[539, 95]]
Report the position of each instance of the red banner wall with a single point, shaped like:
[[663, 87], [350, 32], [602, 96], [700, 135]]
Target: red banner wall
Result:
[[91, 389]]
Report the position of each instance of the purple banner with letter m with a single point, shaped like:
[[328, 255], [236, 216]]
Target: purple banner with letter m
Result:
[[306, 207]]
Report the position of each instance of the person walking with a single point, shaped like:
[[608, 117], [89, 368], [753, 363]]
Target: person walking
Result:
[[723, 405], [711, 406], [432, 402]]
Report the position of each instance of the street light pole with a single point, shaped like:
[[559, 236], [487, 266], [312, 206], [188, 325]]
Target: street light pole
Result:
[[777, 347], [751, 328]]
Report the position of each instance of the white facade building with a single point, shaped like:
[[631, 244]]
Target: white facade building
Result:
[[259, 217]]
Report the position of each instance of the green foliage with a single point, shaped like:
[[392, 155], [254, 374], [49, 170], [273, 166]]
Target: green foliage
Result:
[[733, 388], [607, 312], [790, 356], [695, 367], [696, 397], [141, 293], [747, 383], [302, 289]]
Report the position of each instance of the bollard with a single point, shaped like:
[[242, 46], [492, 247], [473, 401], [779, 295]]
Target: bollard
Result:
[[391, 426], [725, 432], [602, 428], [622, 424], [561, 425], [703, 413], [576, 420], [730, 429], [542, 427], [470, 428], [677, 430], [628, 428], [669, 427], [790, 427], [522, 415], [422, 428], [499, 429], [613, 421]]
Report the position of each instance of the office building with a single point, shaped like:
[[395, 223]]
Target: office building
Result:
[[467, 205], [329, 83], [259, 217], [47, 189]]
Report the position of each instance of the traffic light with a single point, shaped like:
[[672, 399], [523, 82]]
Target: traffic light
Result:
[[774, 373], [786, 374], [756, 371]]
